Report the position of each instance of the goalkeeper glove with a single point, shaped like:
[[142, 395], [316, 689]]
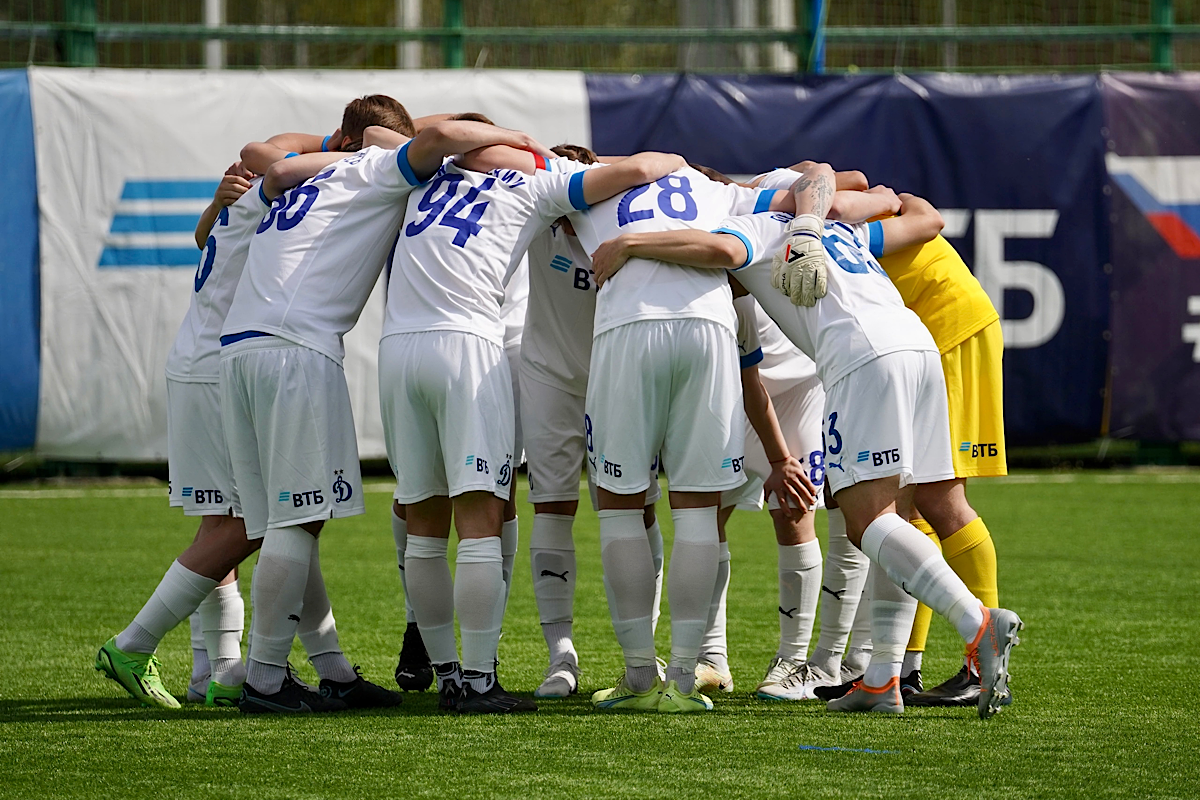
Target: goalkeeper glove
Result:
[[799, 269]]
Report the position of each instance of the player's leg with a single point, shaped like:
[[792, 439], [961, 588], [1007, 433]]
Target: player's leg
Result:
[[202, 486], [704, 444], [431, 590], [409, 399], [842, 583], [974, 388], [908, 387], [623, 428], [510, 529], [414, 672], [712, 665], [128, 658], [552, 424], [473, 406], [305, 466], [910, 672]]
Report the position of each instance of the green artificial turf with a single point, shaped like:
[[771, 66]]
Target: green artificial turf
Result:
[[1103, 568]]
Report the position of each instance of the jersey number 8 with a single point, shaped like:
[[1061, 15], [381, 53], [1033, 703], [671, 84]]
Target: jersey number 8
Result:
[[669, 188]]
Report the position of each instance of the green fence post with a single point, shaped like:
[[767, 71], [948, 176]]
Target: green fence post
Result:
[[79, 42], [452, 46], [1162, 12], [805, 35]]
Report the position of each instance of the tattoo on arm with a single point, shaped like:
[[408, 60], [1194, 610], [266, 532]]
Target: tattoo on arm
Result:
[[819, 191]]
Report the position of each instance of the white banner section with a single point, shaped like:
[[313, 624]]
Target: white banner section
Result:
[[127, 160]]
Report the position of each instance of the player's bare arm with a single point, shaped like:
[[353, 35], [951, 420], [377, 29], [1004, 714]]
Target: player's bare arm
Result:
[[603, 182], [450, 137], [855, 207], [233, 185], [918, 222], [690, 248], [788, 480], [288, 172]]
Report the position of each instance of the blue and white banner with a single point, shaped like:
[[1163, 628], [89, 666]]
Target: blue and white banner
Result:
[[126, 162]]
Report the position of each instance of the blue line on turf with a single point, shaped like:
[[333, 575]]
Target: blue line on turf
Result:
[[844, 749]]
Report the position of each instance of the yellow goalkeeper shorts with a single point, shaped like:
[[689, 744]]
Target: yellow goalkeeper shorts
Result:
[[975, 394]]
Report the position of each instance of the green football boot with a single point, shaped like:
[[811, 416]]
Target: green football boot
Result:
[[221, 695], [622, 698], [137, 673], [674, 701]]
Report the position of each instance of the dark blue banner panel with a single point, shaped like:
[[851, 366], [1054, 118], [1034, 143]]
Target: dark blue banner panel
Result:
[[1015, 163], [19, 297]]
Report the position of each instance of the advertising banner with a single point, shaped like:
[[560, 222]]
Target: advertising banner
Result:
[[1154, 162], [126, 161], [1016, 164]]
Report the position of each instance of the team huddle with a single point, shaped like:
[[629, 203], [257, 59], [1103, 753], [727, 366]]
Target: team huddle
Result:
[[802, 340]]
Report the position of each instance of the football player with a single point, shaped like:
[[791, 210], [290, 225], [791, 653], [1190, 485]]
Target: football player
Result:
[[663, 377]]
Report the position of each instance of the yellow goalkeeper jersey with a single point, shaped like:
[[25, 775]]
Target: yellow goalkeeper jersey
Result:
[[936, 284]]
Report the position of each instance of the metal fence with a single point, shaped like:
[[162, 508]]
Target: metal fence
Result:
[[607, 35]]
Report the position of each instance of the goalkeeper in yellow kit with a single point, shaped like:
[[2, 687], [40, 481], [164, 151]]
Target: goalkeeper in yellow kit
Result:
[[936, 284]]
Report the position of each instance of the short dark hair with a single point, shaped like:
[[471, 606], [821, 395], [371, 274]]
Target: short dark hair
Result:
[[374, 109], [473, 116], [575, 152], [710, 173]]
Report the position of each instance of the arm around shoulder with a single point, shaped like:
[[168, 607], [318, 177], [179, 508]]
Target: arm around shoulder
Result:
[[919, 222]]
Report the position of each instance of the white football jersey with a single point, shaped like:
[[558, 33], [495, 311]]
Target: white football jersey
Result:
[[515, 305], [462, 236], [859, 319], [196, 355], [317, 253], [781, 365], [557, 348], [645, 289]]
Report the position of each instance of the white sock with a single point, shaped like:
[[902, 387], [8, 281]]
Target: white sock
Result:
[[510, 537], [318, 629], [277, 595], [400, 534], [914, 563], [178, 594], [223, 618], [629, 582], [859, 652], [431, 592], [552, 562], [912, 661], [842, 583], [654, 537], [892, 612], [694, 557], [201, 669], [715, 645], [799, 591], [479, 601]]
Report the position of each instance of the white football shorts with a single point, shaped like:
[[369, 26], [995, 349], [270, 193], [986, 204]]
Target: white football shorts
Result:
[[555, 444], [290, 433], [799, 412], [447, 404], [889, 417], [199, 473], [669, 387]]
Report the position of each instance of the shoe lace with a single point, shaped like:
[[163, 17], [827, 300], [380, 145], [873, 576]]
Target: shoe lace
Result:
[[152, 667]]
